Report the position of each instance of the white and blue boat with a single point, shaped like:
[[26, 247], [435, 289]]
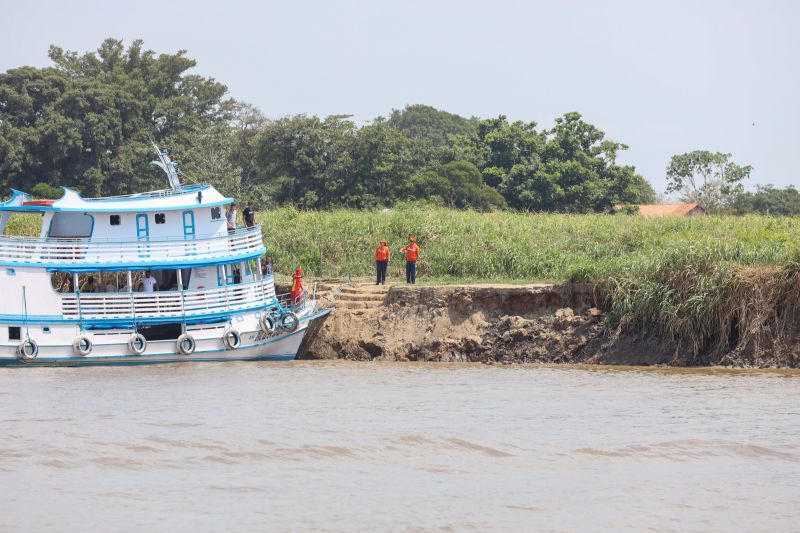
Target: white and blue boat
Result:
[[78, 294]]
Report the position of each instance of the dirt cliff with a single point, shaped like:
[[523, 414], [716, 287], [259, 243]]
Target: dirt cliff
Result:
[[487, 323]]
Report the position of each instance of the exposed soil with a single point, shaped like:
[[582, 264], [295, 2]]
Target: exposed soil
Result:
[[497, 324]]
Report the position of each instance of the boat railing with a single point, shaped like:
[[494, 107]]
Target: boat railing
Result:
[[175, 303], [287, 302], [100, 252]]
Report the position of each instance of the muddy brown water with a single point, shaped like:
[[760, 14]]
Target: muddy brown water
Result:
[[335, 446]]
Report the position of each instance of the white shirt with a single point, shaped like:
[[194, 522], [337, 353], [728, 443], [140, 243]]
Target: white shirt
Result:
[[148, 284]]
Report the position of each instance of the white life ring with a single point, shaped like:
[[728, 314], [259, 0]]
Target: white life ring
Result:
[[82, 345], [232, 339], [137, 343], [267, 323], [289, 322], [28, 349], [186, 344]]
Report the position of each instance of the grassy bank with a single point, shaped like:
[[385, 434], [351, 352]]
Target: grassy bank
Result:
[[703, 285], [459, 245]]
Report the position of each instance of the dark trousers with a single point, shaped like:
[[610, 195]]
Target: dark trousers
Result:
[[381, 266], [411, 271]]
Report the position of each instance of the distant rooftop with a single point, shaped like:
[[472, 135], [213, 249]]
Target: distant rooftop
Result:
[[664, 210]]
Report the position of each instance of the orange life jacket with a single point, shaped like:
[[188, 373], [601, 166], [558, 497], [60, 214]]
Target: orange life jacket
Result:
[[297, 284], [412, 251], [382, 253]]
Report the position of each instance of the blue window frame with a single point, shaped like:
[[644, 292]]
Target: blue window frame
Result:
[[142, 227], [188, 225], [143, 234]]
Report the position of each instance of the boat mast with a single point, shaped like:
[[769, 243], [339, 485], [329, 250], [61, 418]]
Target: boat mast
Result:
[[169, 165]]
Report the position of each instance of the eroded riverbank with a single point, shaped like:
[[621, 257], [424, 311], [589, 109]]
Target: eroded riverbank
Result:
[[508, 324]]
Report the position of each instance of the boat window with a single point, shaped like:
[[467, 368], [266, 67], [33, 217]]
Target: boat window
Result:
[[160, 218], [23, 225], [216, 213], [71, 225], [115, 220], [14, 333], [62, 281]]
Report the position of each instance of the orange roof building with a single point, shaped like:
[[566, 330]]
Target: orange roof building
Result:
[[666, 210]]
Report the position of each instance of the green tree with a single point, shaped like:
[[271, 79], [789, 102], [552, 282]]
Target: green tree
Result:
[[301, 157], [709, 179], [458, 185], [88, 120], [768, 200], [423, 122]]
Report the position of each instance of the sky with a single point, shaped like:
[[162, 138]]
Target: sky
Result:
[[663, 77]]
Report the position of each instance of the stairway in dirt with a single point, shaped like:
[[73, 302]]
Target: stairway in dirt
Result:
[[359, 297]]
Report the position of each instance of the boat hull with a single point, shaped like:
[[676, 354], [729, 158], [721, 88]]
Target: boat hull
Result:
[[256, 346]]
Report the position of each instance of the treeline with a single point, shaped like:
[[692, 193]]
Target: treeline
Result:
[[88, 122]]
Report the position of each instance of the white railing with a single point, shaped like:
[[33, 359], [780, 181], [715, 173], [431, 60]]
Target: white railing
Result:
[[100, 253], [168, 303]]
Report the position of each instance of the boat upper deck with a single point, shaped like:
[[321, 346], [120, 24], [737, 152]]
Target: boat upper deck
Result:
[[86, 255], [187, 197]]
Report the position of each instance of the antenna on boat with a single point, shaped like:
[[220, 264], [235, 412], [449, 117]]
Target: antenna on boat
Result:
[[169, 165]]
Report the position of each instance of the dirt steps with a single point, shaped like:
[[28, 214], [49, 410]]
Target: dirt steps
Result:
[[359, 297]]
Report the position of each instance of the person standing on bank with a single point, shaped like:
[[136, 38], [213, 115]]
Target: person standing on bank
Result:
[[382, 254], [412, 254], [249, 215]]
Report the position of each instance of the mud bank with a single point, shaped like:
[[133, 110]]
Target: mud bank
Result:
[[499, 324]]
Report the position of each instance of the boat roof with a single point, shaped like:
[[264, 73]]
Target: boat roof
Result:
[[187, 197]]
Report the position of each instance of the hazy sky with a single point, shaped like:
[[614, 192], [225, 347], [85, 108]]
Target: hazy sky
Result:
[[662, 77]]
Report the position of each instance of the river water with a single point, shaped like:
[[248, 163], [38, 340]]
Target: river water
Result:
[[380, 446]]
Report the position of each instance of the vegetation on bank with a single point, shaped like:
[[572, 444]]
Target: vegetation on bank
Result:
[[703, 285]]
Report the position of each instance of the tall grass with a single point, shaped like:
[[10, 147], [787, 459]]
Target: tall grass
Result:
[[463, 245], [702, 285]]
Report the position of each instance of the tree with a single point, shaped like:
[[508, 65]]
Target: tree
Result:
[[709, 179], [459, 185], [767, 200], [428, 123], [301, 157], [88, 120]]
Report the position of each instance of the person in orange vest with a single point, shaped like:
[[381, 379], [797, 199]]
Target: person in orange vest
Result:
[[297, 286], [382, 254], [412, 254]]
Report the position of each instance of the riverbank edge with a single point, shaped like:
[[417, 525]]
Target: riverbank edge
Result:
[[509, 324]]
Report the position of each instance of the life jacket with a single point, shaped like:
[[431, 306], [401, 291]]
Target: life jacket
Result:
[[412, 251], [297, 283], [382, 253]]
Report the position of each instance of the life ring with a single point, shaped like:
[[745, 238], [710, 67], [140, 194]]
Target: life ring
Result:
[[82, 345], [28, 349], [267, 324], [232, 339], [186, 344], [137, 343], [289, 322]]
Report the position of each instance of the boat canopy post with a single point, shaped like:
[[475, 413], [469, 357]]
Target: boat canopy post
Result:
[[179, 275], [76, 285]]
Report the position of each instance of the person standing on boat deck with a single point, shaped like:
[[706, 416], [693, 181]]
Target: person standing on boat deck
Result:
[[266, 266], [382, 254], [148, 283], [249, 215], [89, 285], [297, 286], [412, 252], [231, 216]]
